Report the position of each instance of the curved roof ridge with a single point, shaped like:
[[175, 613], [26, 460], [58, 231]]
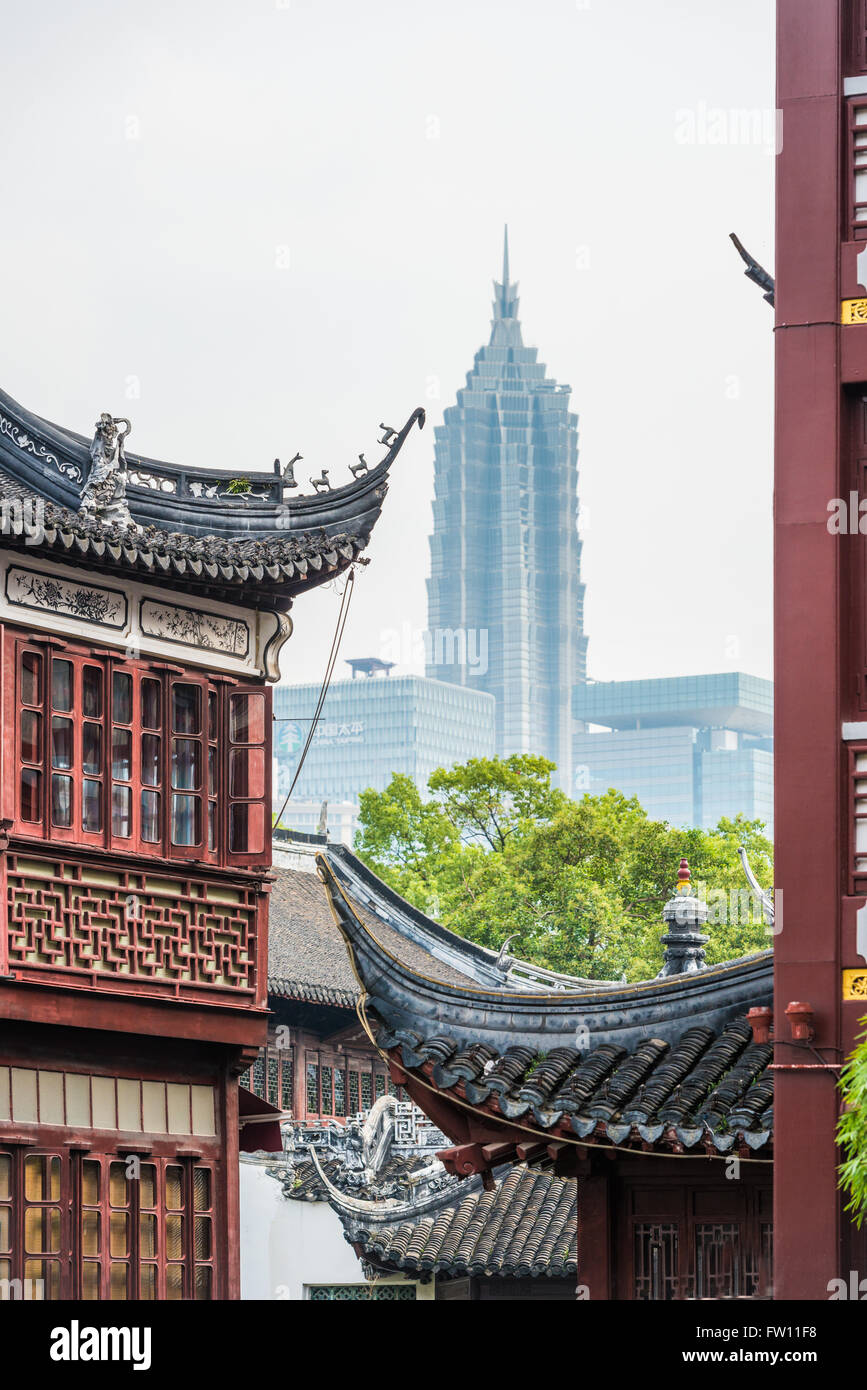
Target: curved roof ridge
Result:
[[479, 962], [54, 462]]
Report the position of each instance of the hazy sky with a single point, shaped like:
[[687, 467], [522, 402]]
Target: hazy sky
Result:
[[261, 227]]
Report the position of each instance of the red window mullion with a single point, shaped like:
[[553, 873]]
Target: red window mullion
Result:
[[198, 850], [250, 811], [130, 843], [74, 832]]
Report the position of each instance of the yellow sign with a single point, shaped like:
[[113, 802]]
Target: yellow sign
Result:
[[855, 984], [853, 311]]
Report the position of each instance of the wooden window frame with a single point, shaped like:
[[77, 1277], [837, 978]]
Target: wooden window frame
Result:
[[216, 693], [237, 748], [735, 1205], [73, 1256], [856, 211], [856, 813]]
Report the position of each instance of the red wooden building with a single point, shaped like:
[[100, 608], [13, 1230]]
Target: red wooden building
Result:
[[142, 611], [820, 619]]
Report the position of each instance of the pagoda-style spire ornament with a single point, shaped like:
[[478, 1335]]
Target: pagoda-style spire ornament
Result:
[[505, 328], [506, 257], [684, 942]]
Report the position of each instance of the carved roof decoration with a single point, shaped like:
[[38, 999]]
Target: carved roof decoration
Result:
[[307, 1181], [415, 1217], [189, 528], [665, 1065], [525, 1226]]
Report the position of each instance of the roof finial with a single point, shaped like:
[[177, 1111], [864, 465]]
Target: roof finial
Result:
[[683, 877], [684, 941]]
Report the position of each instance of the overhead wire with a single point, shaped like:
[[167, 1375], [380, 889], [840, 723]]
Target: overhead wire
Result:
[[345, 601]]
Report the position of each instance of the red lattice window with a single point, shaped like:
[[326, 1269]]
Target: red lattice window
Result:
[[335, 1091], [718, 1260], [655, 1261], [148, 759], [335, 1087], [272, 1075]]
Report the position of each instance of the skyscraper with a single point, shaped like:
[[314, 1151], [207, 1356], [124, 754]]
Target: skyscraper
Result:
[[691, 748], [505, 598], [368, 731]]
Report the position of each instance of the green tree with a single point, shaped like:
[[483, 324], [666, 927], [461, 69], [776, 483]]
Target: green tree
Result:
[[496, 851], [404, 839], [492, 799], [852, 1129]]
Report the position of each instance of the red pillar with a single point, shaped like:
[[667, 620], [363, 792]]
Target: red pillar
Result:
[[595, 1271], [233, 1183], [810, 843]]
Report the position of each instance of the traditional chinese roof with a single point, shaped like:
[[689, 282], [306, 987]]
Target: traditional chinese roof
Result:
[[306, 956], [708, 1091], [666, 1065], [526, 1225], [189, 529], [408, 937]]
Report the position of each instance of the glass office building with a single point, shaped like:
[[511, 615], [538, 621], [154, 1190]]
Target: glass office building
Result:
[[691, 748], [369, 729], [505, 598]]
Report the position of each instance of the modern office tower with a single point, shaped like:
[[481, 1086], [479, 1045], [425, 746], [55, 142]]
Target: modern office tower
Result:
[[505, 598], [691, 748], [368, 730]]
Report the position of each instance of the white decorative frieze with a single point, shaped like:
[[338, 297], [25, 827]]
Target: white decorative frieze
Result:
[[90, 603], [194, 627], [143, 620]]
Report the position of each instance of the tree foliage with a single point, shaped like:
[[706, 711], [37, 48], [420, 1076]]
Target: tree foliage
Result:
[[496, 850], [852, 1129]]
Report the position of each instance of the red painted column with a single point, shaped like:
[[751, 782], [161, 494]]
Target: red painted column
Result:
[[231, 1132], [810, 843], [595, 1271]]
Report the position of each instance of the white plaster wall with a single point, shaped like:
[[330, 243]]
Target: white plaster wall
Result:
[[286, 1245]]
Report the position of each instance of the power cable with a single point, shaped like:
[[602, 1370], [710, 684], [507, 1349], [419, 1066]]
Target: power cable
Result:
[[329, 671]]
